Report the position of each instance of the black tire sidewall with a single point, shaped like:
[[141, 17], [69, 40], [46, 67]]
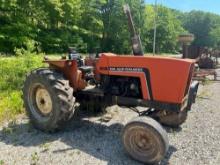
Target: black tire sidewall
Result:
[[45, 123]]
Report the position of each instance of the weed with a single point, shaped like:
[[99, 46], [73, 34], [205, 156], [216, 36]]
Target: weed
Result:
[[78, 152], [45, 147], [2, 162], [10, 128], [204, 94], [7, 130], [34, 158], [206, 81]]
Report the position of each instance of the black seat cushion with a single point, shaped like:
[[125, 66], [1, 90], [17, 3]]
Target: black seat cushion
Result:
[[86, 69]]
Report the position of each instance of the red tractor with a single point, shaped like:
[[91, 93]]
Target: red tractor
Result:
[[163, 85]]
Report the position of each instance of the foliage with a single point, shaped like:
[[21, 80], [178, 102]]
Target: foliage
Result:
[[215, 37], [13, 71], [168, 29], [96, 25], [201, 24], [52, 26]]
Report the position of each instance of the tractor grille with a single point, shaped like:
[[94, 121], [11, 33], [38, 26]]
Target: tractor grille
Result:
[[189, 79]]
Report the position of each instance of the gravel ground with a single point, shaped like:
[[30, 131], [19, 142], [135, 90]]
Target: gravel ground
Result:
[[89, 140]]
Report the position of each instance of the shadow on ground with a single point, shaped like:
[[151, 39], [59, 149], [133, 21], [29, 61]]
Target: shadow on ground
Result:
[[96, 139]]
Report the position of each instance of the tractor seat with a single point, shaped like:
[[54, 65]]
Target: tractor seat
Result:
[[86, 69]]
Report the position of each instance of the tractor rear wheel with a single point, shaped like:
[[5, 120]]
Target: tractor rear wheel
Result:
[[145, 140], [48, 99]]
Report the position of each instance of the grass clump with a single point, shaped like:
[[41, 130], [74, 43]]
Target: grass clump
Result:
[[12, 75]]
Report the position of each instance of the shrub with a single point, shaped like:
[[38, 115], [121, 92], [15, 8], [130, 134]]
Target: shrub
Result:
[[13, 71]]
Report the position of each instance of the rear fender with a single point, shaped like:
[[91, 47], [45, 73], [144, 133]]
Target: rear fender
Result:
[[70, 70]]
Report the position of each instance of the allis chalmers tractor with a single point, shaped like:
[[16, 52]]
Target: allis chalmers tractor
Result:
[[163, 85]]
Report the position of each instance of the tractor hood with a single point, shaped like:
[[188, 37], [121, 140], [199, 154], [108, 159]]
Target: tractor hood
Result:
[[163, 78]]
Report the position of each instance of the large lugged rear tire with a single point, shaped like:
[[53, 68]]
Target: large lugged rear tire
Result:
[[48, 99], [145, 140]]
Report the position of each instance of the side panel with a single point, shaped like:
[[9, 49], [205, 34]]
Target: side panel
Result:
[[167, 77]]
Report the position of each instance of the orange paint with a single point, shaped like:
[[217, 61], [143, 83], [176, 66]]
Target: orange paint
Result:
[[162, 79], [71, 72], [168, 76]]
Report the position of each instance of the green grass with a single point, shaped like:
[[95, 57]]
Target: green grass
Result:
[[12, 75]]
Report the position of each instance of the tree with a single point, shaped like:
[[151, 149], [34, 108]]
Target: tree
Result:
[[200, 24], [16, 29], [91, 25], [168, 29], [116, 37], [52, 26], [215, 37]]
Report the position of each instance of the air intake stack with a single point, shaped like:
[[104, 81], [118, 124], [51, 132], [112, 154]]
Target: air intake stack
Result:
[[135, 38]]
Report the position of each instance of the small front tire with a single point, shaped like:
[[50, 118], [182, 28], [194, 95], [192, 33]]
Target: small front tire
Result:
[[145, 140]]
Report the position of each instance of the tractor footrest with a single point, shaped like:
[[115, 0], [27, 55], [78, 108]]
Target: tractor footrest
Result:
[[91, 91]]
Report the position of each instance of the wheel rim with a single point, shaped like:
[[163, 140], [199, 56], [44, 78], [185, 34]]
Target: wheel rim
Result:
[[43, 100], [40, 101], [142, 142]]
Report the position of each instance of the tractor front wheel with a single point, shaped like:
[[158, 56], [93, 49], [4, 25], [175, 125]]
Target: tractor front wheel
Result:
[[145, 140], [48, 99]]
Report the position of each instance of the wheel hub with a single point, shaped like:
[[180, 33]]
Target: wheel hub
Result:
[[43, 101], [142, 140]]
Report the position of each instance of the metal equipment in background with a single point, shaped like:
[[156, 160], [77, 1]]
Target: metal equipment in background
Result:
[[206, 58], [186, 40]]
